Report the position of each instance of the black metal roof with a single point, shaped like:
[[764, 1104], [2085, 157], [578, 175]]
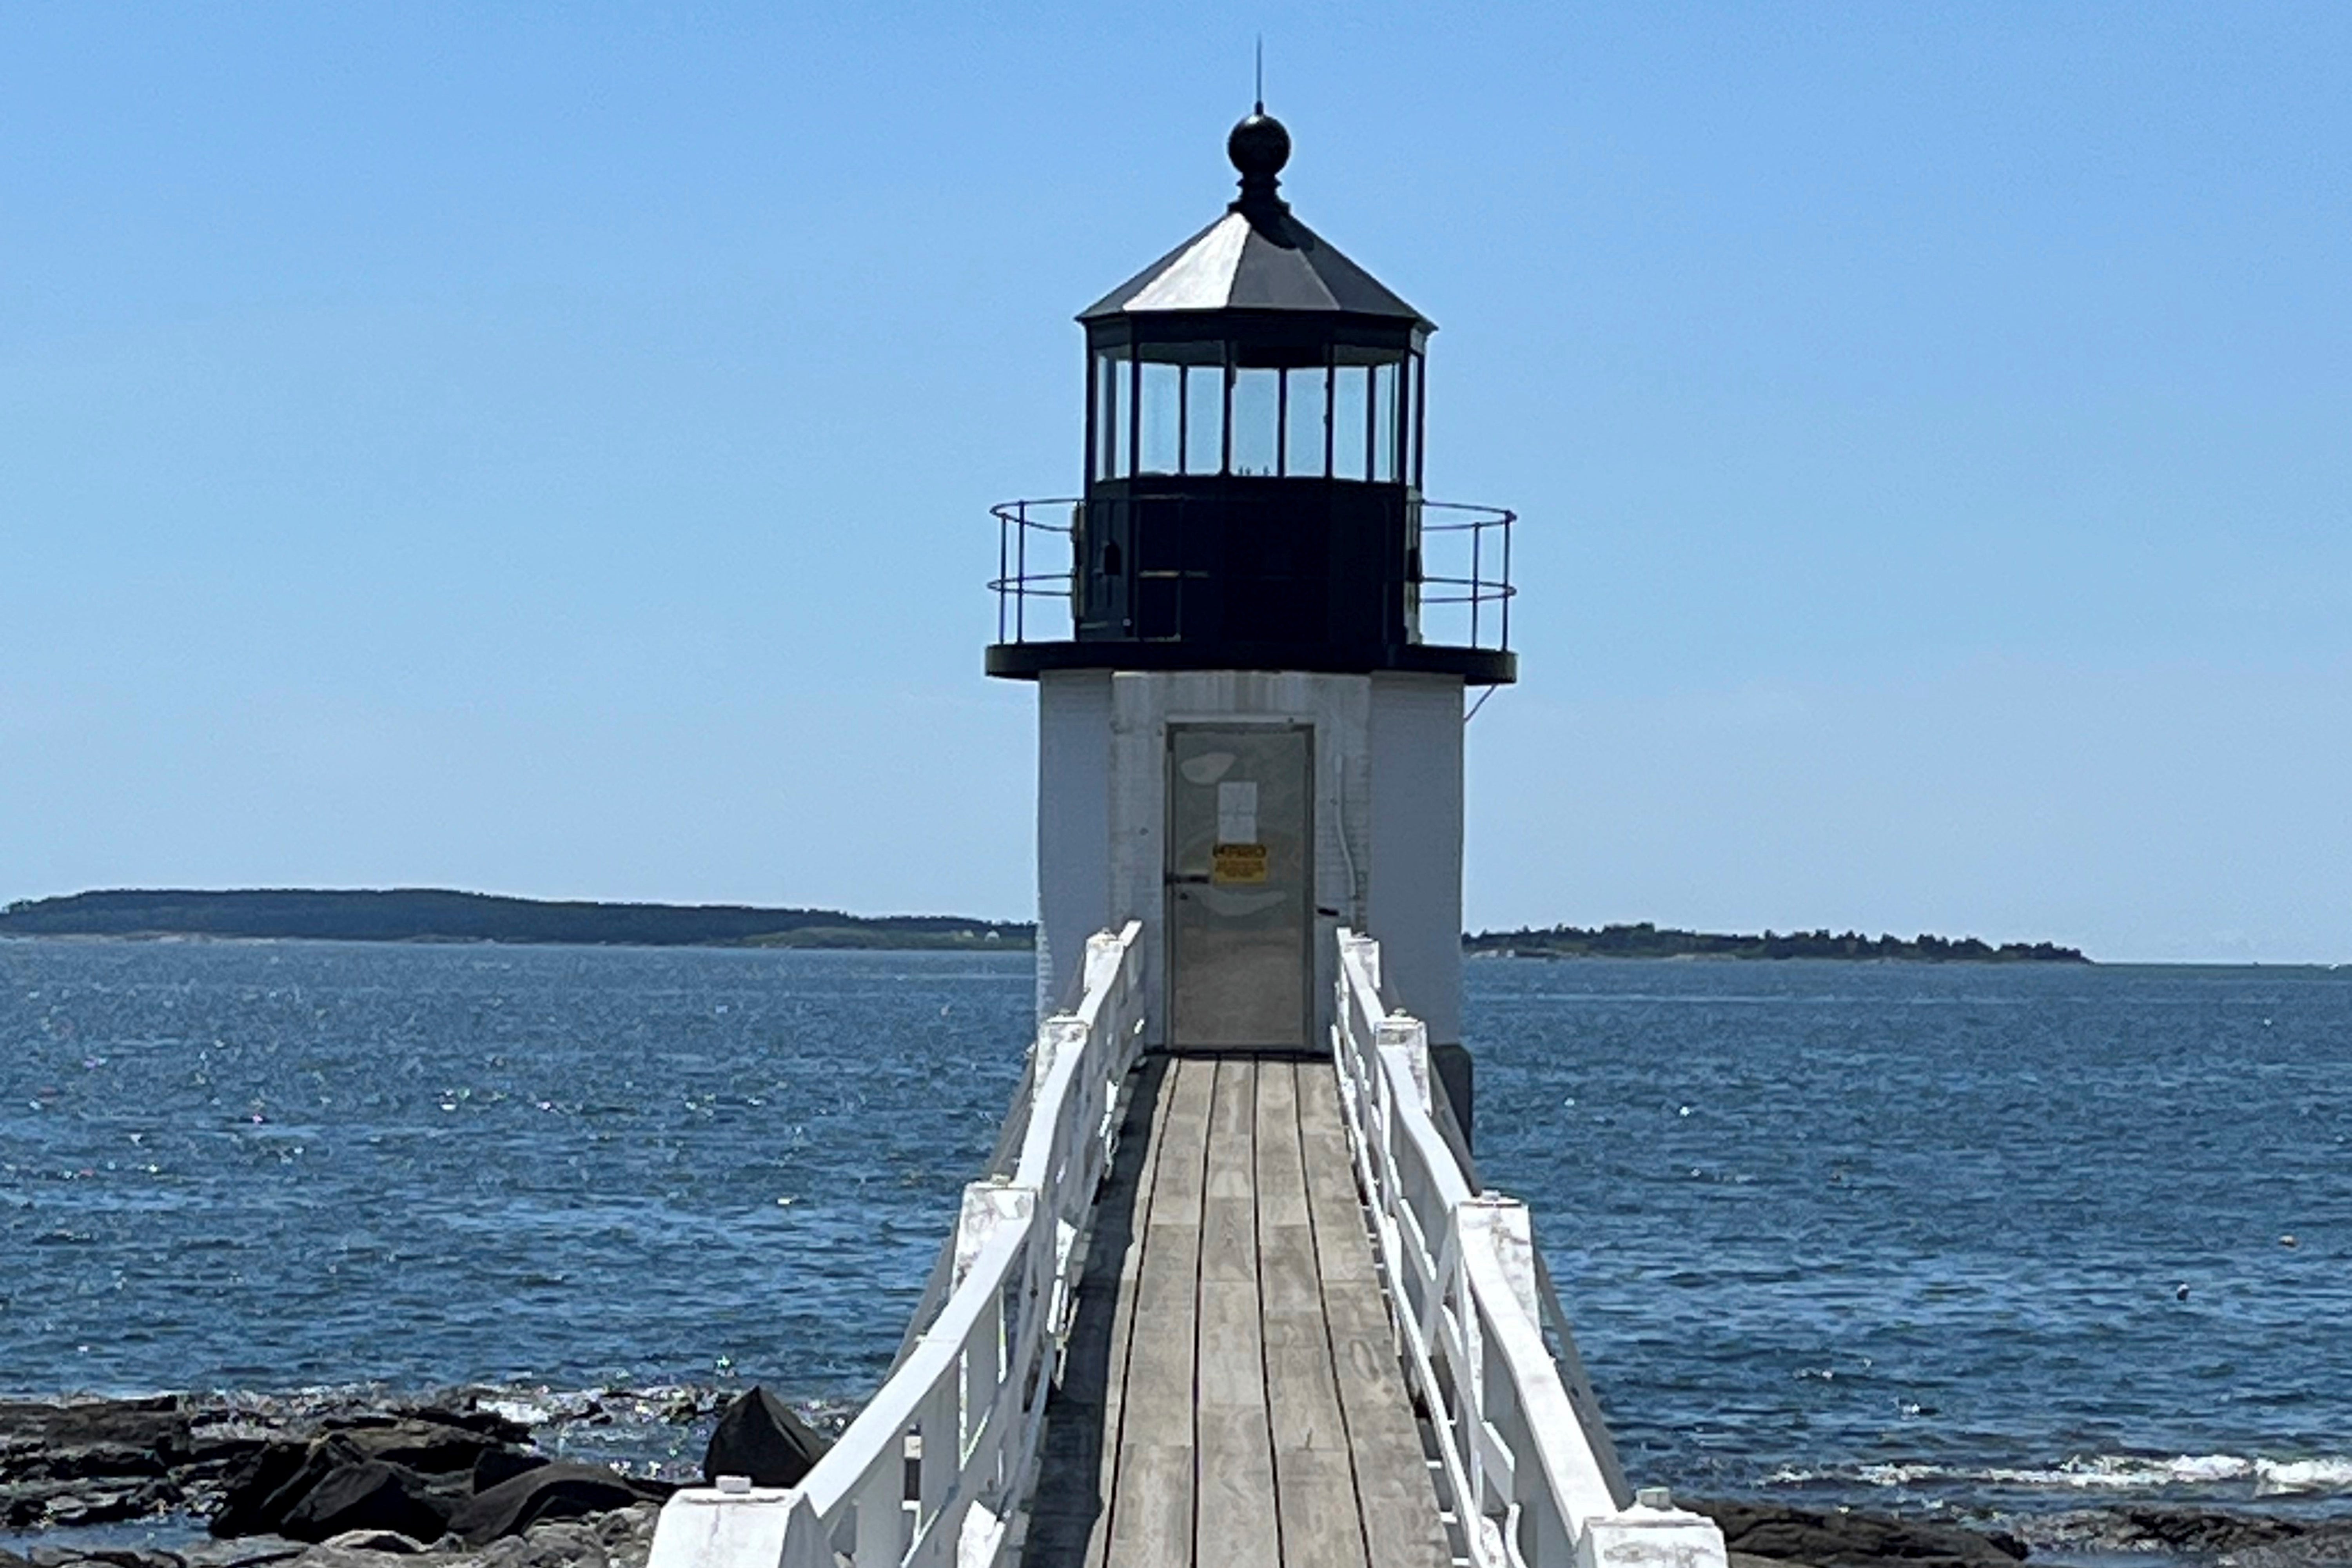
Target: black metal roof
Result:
[[1257, 256]]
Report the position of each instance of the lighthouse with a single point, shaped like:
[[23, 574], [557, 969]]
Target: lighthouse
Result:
[[1231, 1289], [1252, 639]]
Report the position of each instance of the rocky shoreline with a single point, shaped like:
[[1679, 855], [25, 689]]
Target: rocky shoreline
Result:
[[453, 1483], [458, 1481], [1777, 1535]]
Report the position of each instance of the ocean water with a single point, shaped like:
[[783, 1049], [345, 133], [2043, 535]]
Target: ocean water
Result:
[[1891, 1234], [1895, 1234]]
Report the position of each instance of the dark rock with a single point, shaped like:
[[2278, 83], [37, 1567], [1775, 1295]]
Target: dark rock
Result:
[[372, 1494], [260, 1493], [1851, 1540], [33, 1505], [469, 1417], [493, 1465], [389, 1541], [565, 1544], [96, 1437], [104, 1459], [251, 1552], [758, 1438], [630, 1530], [109, 1504], [282, 1475], [249, 1491], [222, 1444], [2169, 1530], [620, 1538], [10, 1560], [2198, 1531], [430, 1447], [557, 1490], [2328, 1543]]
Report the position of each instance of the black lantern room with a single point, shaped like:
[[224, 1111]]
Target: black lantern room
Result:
[[1254, 412]]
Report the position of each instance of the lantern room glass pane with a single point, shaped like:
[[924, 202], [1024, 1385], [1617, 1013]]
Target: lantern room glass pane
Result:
[[1388, 423], [1159, 435], [1417, 419], [1106, 375], [1123, 419], [1114, 409], [1204, 418], [1351, 413], [1257, 420], [1307, 423]]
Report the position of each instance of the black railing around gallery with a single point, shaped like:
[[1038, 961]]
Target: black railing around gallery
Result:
[[1457, 564]]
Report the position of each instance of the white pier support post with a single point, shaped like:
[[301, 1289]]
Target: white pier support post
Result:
[[733, 1525], [1653, 1533]]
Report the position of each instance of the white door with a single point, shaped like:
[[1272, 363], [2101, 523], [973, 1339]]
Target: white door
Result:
[[1240, 877]]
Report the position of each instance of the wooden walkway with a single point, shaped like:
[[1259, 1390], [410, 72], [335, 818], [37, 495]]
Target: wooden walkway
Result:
[[1231, 1395]]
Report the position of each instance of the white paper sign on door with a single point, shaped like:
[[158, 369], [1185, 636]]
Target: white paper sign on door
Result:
[[1237, 812]]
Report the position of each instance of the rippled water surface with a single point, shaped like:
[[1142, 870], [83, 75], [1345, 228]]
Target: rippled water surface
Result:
[[1862, 1232]]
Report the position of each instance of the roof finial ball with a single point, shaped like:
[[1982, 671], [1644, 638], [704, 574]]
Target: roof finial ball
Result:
[[1259, 147]]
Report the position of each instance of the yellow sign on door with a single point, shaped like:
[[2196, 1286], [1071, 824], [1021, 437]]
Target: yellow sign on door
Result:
[[1234, 863]]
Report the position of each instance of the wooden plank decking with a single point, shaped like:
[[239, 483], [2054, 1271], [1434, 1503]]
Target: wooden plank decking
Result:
[[1231, 1396]]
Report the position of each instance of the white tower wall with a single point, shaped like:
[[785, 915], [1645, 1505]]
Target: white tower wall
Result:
[[1414, 892], [1388, 818], [1074, 830]]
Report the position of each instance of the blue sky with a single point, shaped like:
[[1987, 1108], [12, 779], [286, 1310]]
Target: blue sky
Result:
[[547, 449]]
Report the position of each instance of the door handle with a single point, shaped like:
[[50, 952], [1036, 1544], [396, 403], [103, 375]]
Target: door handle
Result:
[[1189, 881]]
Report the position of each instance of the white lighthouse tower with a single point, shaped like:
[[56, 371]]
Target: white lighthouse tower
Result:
[[1250, 723]]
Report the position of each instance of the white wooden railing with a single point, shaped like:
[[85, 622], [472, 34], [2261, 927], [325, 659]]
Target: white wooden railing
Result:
[[1527, 1462], [937, 1466]]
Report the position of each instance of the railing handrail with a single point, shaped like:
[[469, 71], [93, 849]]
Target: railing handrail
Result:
[[937, 1466], [1523, 1450]]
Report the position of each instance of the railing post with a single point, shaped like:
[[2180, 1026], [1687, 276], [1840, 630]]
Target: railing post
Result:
[[1501, 1226], [1653, 1533], [1491, 1226], [987, 1208], [1057, 1037], [1020, 577], [1508, 518], [1404, 1039], [982, 1540], [882, 1528], [710, 1529], [1477, 570], [1106, 953]]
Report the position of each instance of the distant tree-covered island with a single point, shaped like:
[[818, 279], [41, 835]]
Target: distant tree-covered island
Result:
[[1647, 940], [435, 914]]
